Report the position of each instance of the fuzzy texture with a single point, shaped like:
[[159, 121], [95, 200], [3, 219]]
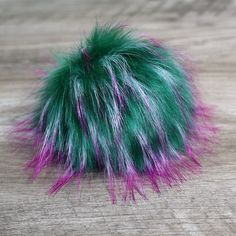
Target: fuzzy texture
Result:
[[122, 104]]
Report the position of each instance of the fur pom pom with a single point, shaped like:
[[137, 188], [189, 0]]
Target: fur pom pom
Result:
[[122, 104]]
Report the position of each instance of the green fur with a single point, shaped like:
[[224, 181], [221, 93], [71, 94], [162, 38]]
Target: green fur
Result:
[[143, 70]]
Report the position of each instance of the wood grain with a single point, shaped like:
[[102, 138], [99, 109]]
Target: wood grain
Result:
[[30, 32]]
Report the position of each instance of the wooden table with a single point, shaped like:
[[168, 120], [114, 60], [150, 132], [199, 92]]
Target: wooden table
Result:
[[30, 32]]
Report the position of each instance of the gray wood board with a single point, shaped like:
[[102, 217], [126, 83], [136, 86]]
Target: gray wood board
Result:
[[30, 32]]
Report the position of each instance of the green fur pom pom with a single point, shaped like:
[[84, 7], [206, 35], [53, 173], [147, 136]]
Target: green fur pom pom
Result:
[[122, 104]]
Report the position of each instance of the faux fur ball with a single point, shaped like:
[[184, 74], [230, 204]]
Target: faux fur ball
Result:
[[121, 104]]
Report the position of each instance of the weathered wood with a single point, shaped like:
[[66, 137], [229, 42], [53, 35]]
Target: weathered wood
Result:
[[30, 31]]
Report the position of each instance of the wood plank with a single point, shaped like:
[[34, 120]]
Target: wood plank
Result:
[[30, 32]]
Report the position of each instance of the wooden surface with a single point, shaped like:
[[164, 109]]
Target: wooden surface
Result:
[[30, 31]]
